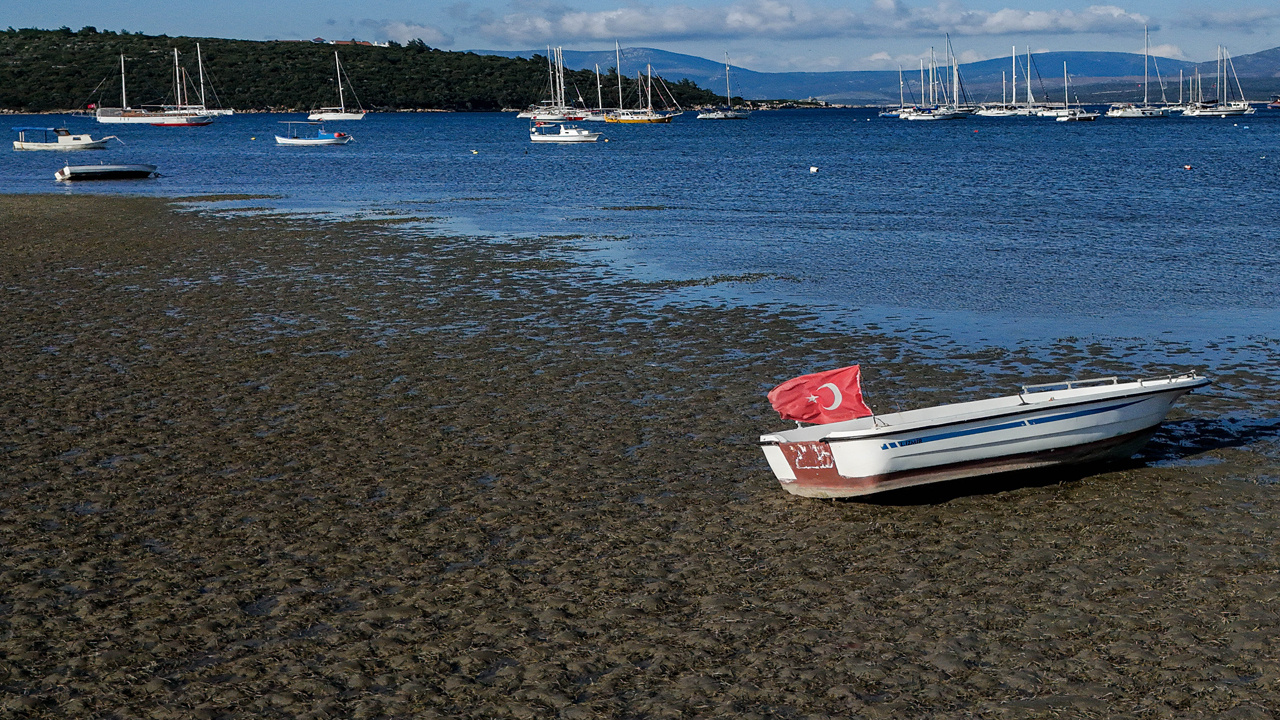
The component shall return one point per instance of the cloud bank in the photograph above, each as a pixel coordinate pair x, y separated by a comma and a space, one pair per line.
793, 20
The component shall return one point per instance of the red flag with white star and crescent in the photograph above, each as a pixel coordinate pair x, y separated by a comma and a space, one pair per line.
825, 397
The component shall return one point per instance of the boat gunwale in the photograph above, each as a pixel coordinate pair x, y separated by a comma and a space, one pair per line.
1190, 381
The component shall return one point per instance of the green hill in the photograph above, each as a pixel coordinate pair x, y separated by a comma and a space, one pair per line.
43, 70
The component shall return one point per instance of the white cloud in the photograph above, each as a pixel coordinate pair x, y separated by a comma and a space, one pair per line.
1244, 20
792, 19
1167, 50
403, 32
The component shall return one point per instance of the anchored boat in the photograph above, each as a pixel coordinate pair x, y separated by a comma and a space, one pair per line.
1066, 422
62, 140
320, 137
105, 172
544, 132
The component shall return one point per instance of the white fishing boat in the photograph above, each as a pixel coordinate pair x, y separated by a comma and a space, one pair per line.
545, 132
177, 115
296, 136
1058, 423
341, 112
1146, 110
62, 140
105, 172
728, 112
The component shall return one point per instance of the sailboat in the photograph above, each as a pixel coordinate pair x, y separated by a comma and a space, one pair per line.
183, 104
1005, 108
179, 115
951, 111
646, 114
557, 108
1146, 109
599, 113
1072, 114
340, 112
1223, 106
727, 112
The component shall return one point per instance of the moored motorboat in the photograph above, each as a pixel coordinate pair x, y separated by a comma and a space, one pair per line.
542, 132
1066, 422
62, 140
105, 172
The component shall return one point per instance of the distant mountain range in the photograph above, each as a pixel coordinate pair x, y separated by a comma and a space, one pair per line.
1095, 76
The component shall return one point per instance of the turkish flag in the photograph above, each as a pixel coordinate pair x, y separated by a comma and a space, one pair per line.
824, 397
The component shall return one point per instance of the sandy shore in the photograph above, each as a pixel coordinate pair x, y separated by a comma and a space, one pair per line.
261, 467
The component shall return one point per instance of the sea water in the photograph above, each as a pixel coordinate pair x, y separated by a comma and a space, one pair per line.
983, 230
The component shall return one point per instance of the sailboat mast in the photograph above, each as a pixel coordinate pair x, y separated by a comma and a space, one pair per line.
599, 96
902, 99
618, 59
955, 74
1146, 52
200, 66
124, 102
1013, 56
177, 80
728, 98
1066, 96
342, 101
648, 89
1030, 98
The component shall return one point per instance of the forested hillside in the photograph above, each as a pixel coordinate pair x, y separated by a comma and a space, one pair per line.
43, 70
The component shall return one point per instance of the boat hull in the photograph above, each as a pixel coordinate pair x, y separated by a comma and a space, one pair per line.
90, 145
156, 119
336, 116
313, 141
104, 172
1012, 437
590, 138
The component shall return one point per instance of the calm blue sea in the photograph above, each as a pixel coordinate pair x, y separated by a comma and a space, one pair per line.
981, 230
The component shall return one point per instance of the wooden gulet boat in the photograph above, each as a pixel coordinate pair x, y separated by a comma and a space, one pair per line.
1067, 422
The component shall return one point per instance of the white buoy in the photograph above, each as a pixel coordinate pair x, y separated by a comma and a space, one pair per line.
813, 169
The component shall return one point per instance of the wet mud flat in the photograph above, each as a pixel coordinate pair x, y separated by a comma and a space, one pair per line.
266, 467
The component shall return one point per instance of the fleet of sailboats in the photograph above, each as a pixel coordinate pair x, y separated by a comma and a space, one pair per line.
940, 99
1223, 105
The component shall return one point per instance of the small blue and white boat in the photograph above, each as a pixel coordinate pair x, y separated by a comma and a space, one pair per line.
319, 137
1059, 423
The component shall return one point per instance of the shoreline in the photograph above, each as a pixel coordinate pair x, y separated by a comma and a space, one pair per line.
284, 468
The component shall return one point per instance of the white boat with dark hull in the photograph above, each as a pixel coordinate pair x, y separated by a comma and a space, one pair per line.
62, 140
105, 172
1067, 422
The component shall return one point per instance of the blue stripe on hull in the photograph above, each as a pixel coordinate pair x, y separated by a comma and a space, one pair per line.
1005, 426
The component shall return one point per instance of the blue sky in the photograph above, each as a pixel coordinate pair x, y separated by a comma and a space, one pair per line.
764, 35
